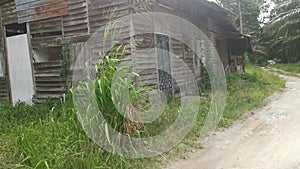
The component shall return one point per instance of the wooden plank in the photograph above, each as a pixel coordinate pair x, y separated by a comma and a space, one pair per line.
33, 10
3, 89
8, 13
75, 24
49, 82
52, 41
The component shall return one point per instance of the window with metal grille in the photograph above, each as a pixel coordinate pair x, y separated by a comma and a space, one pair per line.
164, 63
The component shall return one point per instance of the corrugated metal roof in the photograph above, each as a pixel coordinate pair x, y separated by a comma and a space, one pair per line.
32, 10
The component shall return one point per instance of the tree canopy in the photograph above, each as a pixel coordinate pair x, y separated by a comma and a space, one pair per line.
279, 37
250, 13
284, 30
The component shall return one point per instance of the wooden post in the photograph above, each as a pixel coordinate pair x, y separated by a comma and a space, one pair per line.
31, 53
5, 54
240, 16
5, 62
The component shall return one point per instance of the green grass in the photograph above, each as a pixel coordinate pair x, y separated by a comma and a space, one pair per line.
280, 72
45, 138
291, 67
41, 136
247, 91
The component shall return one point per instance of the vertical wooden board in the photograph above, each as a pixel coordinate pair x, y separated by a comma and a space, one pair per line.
223, 51
177, 51
2, 50
189, 57
4, 83
145, 59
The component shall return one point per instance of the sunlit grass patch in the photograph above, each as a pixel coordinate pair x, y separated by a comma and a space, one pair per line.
289, 67
247, 91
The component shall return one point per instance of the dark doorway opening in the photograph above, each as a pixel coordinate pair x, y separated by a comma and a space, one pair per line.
15, 29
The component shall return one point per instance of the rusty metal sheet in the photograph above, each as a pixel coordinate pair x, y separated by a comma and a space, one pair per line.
33, 10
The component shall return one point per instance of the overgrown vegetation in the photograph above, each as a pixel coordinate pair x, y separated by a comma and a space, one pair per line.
273, 25
47, 136
51, 136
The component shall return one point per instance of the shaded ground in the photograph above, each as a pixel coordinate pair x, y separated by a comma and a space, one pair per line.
266, 138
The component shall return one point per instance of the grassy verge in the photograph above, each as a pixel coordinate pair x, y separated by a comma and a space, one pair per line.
45, 137
291, 67
247, 91
280, 72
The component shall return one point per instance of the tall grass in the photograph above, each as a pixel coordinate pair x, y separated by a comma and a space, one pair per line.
53, 139
50, 136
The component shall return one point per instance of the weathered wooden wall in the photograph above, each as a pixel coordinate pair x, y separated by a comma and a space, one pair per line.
181, 51
31, 10
8, 12
75, 24
48, 80
4, 87
4, 82
199, 15
103, 11
80, 19
209, 20
84, 19
223, 51
68, 28
144, 59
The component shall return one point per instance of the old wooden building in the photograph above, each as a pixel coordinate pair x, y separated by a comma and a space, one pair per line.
34, 35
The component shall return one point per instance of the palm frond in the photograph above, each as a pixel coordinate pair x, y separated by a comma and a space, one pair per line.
295, 24
292, 40
284, 17
286, 5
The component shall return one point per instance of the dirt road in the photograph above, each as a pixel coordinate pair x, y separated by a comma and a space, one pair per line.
266, 138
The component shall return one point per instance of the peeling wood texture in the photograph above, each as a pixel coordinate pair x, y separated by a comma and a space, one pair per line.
49, 82
8, 12
3, 89
70, 28
32, 10
4, 82
75, 24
